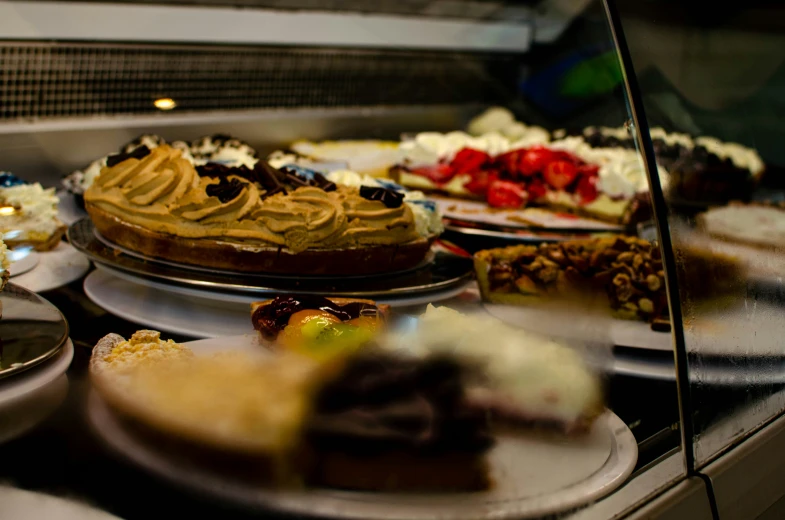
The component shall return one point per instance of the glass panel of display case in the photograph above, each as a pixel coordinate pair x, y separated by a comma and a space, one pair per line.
711, 88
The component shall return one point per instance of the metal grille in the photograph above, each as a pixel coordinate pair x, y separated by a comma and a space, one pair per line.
75, 80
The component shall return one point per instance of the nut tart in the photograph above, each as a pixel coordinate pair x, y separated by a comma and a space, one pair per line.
624, 271
28, 214
318, 327
289, 220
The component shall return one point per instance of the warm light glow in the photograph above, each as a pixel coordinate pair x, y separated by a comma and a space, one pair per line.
164, 103
7, 210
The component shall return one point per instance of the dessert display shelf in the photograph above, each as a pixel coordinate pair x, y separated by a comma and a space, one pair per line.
534, 475
445, 271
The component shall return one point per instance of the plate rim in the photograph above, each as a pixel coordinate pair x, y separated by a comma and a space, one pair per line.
617, 467
337, 504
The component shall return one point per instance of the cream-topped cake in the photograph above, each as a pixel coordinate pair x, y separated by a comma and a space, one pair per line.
28, 216
566, 174
528, 378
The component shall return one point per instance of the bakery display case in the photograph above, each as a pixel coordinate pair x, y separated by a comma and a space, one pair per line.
470, 259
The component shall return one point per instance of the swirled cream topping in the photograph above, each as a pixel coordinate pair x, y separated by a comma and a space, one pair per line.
163, 192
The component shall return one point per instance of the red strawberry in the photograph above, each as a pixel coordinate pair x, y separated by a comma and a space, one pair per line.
509, 162
438, 173
536, 189
588, 169
507, 194
469, 161
587, 188
480, 181
560, 174
534, 160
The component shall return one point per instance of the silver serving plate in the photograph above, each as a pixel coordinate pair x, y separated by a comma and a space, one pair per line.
443, 272
32, 330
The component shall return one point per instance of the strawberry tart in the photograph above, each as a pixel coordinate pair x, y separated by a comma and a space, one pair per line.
568, 175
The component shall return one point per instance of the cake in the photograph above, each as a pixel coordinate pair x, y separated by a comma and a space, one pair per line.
521, 380
28, 215
265, 219
366, 157
318, 327
567, 175
374, 421
626, 272
390, 423
758, 225
702, 169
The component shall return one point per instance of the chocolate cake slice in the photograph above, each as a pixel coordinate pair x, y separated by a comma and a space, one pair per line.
388, 423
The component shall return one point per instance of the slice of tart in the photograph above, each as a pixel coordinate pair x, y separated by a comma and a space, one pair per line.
625, 270
28, 216
370, 421
393, 423
318, 327
564, 175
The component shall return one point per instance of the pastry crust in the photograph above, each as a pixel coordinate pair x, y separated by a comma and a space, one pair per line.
236, 256
47, 245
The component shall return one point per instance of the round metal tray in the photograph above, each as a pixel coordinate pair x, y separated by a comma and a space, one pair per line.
443, 272
31, 330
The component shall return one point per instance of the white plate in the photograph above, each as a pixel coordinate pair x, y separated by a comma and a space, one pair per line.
526, 218
58, 267
574, 326
19, 504
22, 260
166, 311
535, 475
29, 397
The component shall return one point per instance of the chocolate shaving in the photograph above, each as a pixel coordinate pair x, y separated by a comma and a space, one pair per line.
117, 158
390, 198
226, 190
323, 183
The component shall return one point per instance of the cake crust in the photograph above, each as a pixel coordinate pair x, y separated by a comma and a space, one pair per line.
236, 256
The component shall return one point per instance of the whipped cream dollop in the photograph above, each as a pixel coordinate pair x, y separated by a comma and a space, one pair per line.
35, 217
499, 120
546, 378
427, 218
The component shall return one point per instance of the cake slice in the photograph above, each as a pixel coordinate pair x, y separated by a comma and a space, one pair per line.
520, 380
316, 326
391, 423
369, 420
28, 216
625, 270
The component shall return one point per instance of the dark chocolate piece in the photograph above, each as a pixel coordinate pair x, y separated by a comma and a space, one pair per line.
390, 198
323, 183
138, 153
226, 190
